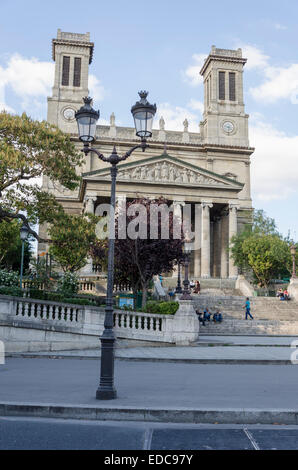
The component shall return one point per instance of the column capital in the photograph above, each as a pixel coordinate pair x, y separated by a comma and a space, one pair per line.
233, 207
206, 204
90, 197
178, 203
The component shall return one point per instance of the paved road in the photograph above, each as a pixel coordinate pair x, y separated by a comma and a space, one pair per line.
73, 381
52, 434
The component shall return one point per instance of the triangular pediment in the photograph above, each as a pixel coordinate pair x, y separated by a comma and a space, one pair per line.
167, 170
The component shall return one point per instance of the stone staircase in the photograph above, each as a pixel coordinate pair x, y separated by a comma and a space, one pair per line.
271, 316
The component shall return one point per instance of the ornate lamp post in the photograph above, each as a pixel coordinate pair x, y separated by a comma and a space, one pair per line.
24, 232
186, 291
143, 113
179, 288
293, 253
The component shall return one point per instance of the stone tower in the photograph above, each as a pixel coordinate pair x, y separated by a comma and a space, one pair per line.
224, 118
72, 53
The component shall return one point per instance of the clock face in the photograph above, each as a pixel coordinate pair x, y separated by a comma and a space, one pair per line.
69, 114
228, 127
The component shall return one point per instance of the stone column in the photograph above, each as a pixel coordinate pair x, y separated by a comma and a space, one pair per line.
90, 201
224, 246
233, 270
216, 247
205, 255
177, 212
198, 240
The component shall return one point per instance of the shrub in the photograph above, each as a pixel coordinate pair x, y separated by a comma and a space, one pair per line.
12, 290
68, 284
9, 278
162, 308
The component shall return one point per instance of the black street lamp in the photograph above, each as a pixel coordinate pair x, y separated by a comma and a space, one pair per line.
24, 232
293, 253
179, 288
186, 291
143, 113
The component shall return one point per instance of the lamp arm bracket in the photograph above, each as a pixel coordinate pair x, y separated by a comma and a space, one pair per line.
87, 150
143, 146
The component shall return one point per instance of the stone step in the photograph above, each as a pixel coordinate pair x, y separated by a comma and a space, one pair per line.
251, 328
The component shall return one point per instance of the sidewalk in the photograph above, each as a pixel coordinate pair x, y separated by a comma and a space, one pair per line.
160, 392
210, 349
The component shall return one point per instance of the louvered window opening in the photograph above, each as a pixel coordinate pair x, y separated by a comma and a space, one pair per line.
77, 72
65, 71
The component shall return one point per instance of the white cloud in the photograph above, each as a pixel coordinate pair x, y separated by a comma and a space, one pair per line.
196, 105
255, 57
280, 83
280, 27
96, 90
174, 117
31, 81
275, 162
192, 73
27, 77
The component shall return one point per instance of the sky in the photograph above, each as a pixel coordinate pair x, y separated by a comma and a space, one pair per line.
160, 46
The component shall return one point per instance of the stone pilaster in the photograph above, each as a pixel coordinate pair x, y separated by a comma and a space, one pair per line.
233, 270
205, 254
224, 246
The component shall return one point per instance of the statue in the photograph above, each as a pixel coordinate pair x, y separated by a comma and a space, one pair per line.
112, 120
164, 172
161, 124
185, 124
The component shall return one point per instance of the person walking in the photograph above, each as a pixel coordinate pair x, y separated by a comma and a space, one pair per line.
247, 309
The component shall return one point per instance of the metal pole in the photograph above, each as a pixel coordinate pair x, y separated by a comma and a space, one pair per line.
186, 292
106, 389
22, 266
178, 288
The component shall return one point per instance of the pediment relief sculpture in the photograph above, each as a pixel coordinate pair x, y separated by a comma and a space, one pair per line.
166, 172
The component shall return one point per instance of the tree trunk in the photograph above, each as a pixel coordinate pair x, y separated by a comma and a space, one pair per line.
144, 295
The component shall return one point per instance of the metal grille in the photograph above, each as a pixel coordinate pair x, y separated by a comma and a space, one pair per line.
222, 87
77, 72
65, 71
232, 86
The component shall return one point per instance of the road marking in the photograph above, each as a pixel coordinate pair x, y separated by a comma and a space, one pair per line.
251, 438
148, 439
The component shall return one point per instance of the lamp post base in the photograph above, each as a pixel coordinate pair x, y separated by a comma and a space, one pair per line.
106, 394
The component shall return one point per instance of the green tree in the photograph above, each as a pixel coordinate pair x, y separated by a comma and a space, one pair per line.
261, 226
11, 246
267, 255
71, 240
28, 150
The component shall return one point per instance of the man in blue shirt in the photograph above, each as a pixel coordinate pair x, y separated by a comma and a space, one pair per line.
247, 309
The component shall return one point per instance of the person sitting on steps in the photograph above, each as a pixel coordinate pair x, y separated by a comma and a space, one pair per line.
207, 314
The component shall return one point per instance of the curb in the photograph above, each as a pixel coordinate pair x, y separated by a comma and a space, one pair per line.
161, 415
273, 362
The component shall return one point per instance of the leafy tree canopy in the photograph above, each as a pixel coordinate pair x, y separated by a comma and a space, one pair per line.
28, 150
71, 240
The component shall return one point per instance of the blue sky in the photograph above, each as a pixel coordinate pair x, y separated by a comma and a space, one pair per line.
159, 46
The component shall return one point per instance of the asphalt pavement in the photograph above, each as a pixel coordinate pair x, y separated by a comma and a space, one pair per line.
52, 434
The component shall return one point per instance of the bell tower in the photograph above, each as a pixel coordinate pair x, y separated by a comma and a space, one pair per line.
72, 53
224, 120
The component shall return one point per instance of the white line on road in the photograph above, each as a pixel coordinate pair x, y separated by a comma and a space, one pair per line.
148, 439
251, 438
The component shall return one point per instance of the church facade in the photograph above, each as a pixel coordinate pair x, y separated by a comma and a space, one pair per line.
208, 169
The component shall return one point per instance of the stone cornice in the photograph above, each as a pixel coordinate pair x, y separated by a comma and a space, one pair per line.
221, 58
68, 42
